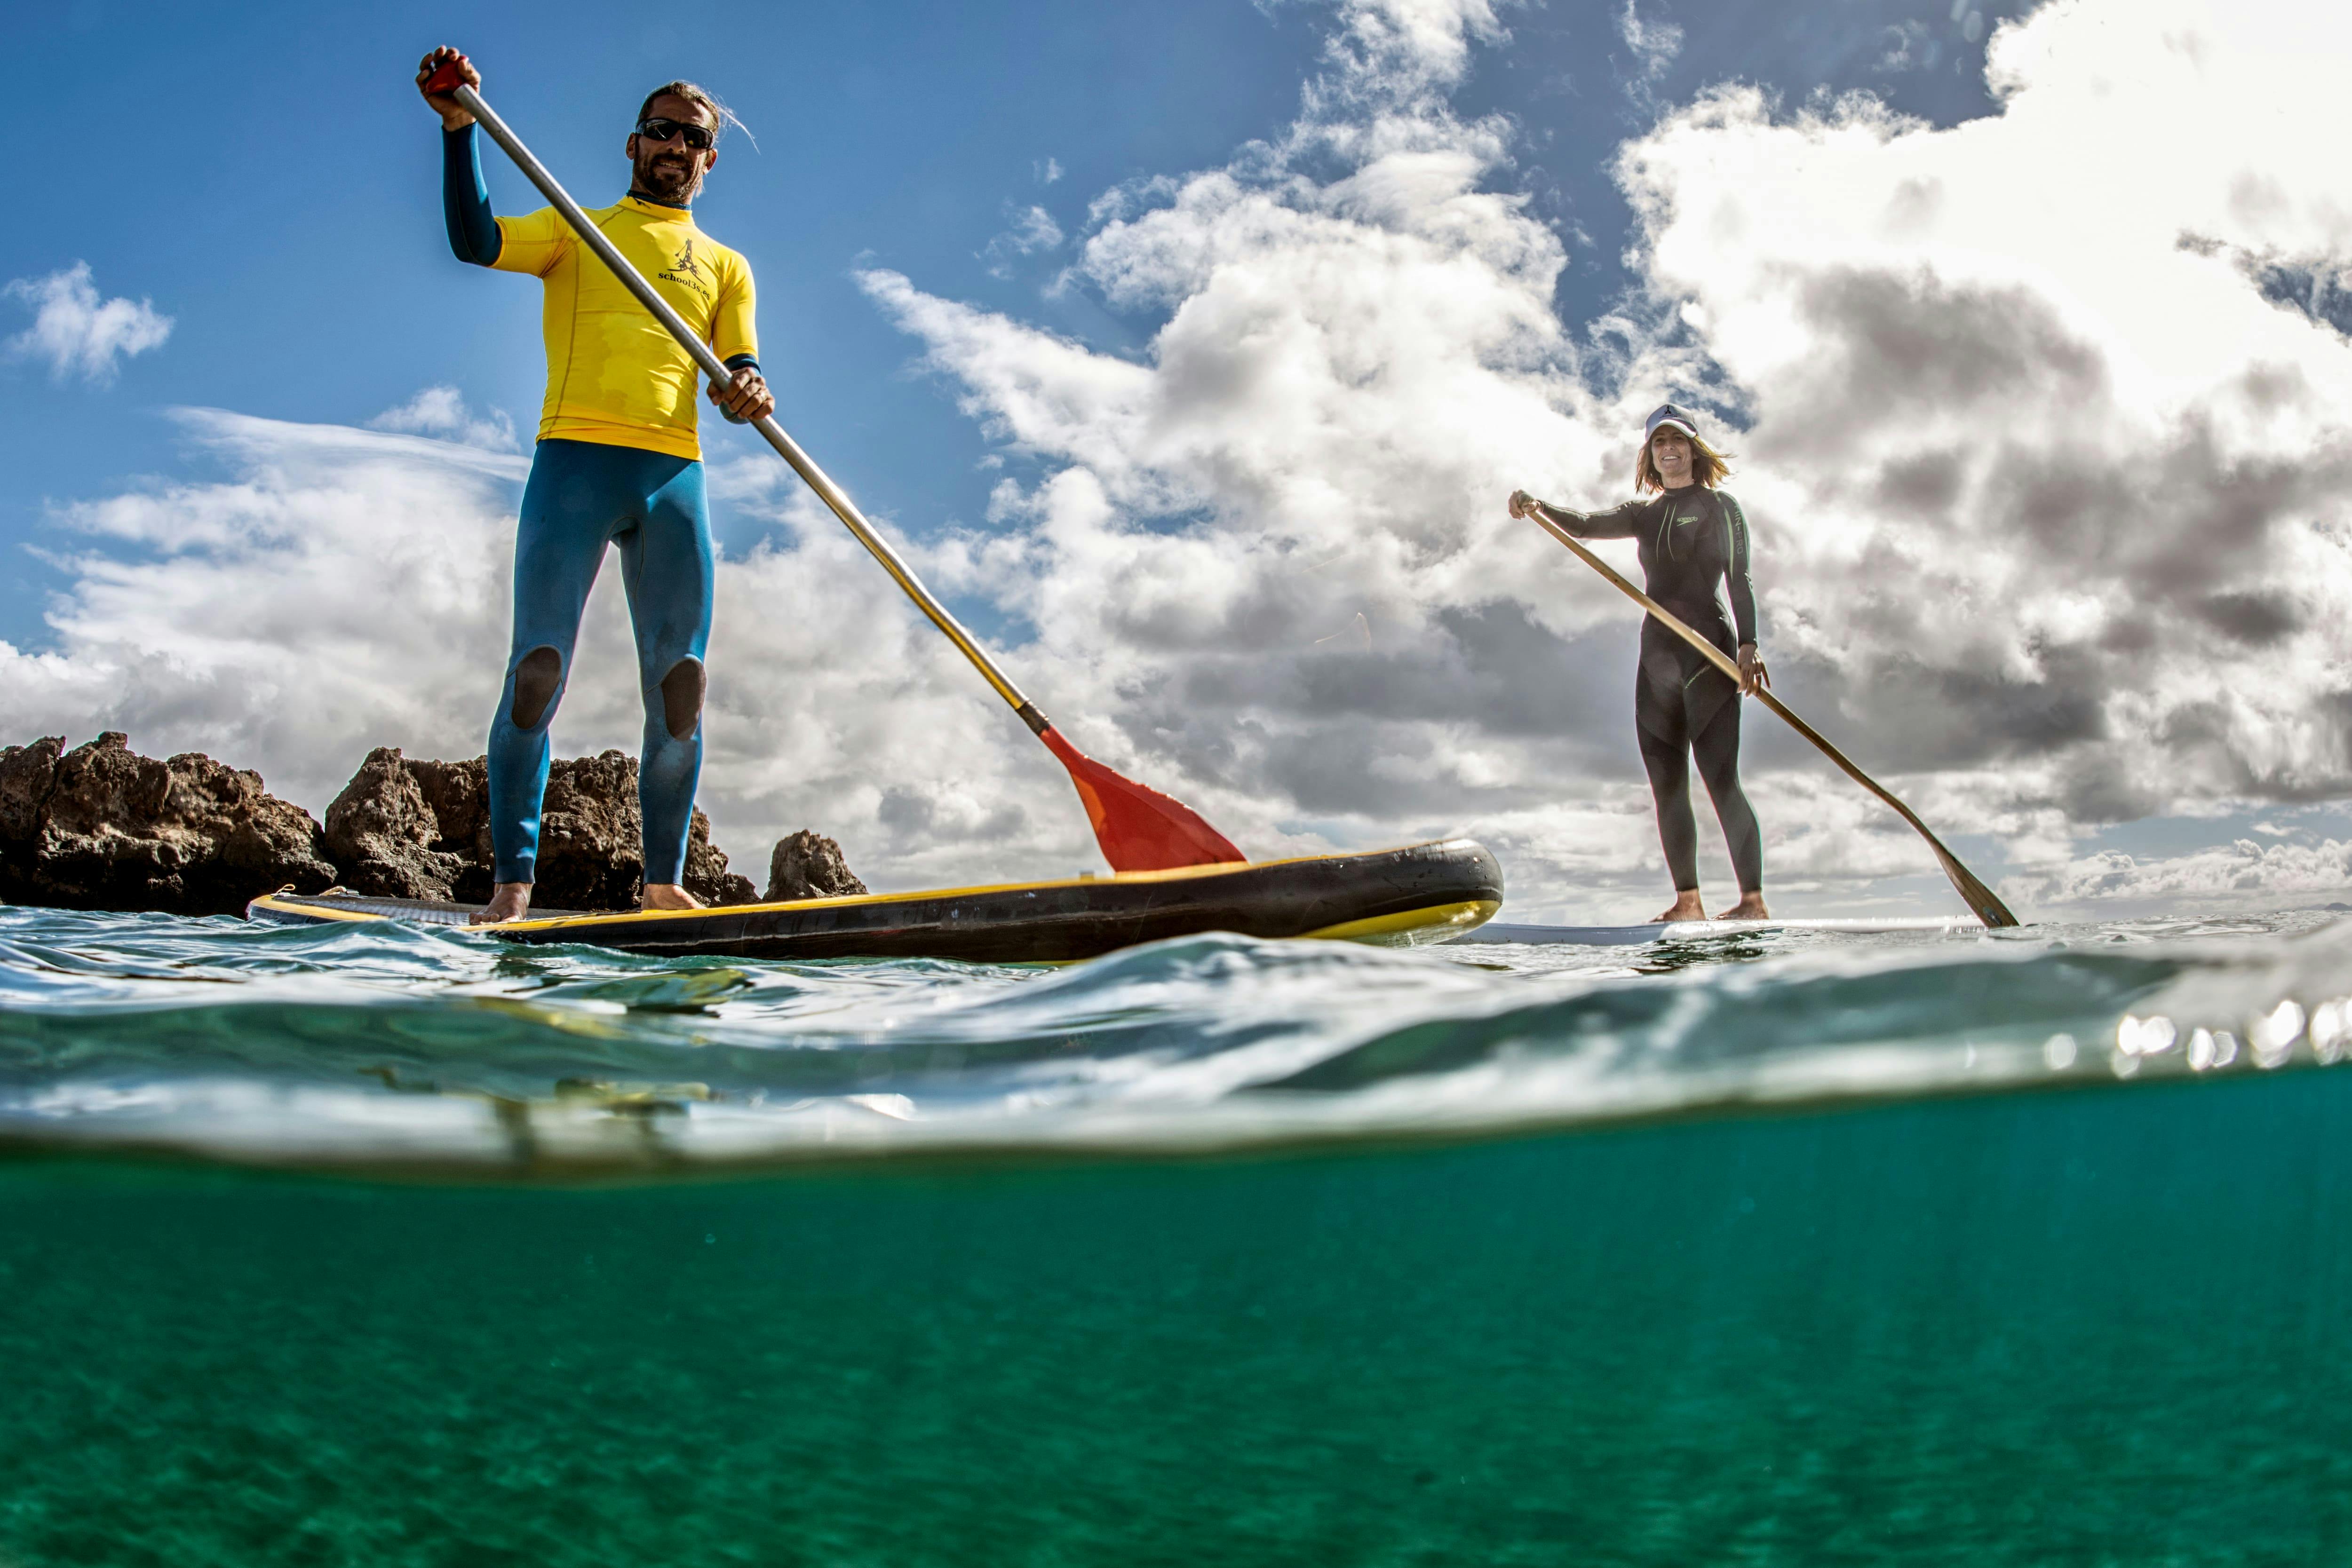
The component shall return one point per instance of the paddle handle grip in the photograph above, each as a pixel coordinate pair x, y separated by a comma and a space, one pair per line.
817, 480
1981, 900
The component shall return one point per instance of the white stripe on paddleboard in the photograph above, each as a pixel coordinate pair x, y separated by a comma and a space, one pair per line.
1695, 930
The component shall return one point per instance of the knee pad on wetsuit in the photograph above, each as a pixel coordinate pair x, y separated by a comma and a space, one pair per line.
682, 691
536, 681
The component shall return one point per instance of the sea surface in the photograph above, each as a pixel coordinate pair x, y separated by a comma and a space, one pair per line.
372, 1245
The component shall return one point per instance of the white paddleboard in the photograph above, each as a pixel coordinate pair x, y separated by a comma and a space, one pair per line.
1700, 930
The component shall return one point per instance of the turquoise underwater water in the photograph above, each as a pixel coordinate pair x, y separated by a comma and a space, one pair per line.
369, 1247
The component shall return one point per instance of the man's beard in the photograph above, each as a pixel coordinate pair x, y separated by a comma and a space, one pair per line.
669, 177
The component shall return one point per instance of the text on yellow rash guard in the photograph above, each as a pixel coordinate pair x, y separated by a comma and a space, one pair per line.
615, 375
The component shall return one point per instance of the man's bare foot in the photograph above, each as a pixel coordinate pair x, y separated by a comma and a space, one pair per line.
508, 900
667, 895
1749, 908
1686, 907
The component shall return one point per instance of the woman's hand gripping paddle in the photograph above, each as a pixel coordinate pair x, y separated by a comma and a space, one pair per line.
1139, 827
1980, 899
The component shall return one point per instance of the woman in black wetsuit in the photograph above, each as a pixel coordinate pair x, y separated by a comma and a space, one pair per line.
1691, 537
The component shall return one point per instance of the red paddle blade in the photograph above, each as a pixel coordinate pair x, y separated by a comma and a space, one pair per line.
1139, 827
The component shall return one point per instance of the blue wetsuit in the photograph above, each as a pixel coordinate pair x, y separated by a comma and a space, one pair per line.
581, 497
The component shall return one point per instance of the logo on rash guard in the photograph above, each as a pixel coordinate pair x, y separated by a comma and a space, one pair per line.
686, 270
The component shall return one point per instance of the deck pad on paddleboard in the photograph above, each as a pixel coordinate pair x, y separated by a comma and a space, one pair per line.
336, 905
1700, 930
1424, 892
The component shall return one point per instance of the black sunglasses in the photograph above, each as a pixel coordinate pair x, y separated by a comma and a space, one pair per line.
663, 129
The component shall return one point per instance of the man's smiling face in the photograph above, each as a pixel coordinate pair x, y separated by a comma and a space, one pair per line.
671, 171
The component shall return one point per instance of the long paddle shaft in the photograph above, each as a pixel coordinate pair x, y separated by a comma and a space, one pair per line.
1139, 827
1980, 899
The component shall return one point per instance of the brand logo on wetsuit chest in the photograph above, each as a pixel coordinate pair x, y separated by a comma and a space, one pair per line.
1668, 538
686, 270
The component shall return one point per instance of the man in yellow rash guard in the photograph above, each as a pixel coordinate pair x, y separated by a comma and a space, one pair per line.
618, 463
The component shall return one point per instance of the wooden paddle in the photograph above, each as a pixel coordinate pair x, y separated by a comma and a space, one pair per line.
1139, 827
1979, 898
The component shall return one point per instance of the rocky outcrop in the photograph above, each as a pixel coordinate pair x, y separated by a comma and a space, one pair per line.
102, 827
404, 829
808, 865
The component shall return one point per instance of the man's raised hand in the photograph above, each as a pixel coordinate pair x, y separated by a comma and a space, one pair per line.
745, 398
453, 118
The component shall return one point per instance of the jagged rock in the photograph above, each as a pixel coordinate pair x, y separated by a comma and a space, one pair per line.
808, 865
27, 774
591, 852
706, 876
102, 827
404, 829
393, 840
592, 847
459, 796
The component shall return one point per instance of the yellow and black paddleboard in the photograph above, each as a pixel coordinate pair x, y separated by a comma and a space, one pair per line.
1424, 892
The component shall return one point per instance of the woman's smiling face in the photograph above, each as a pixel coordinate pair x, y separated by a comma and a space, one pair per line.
1670, 453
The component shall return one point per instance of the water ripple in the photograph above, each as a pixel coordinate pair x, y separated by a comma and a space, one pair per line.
425, 1049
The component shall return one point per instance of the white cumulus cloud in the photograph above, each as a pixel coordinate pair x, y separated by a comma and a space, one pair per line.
2051, 486
1033, 229
2241, 873
76, 331
1654, 43
440, 412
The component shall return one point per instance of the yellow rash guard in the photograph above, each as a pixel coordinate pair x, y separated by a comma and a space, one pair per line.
614, 375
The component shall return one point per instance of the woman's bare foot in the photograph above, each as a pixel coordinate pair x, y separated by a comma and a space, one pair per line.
1686, 907
1749, 908
508, 900
667, 895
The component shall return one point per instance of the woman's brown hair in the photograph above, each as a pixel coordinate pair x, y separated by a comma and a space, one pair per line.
1708, 466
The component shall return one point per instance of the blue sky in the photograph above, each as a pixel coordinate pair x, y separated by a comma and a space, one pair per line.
1029, 413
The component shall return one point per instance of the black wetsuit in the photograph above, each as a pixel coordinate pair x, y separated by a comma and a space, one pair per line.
1690, 540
